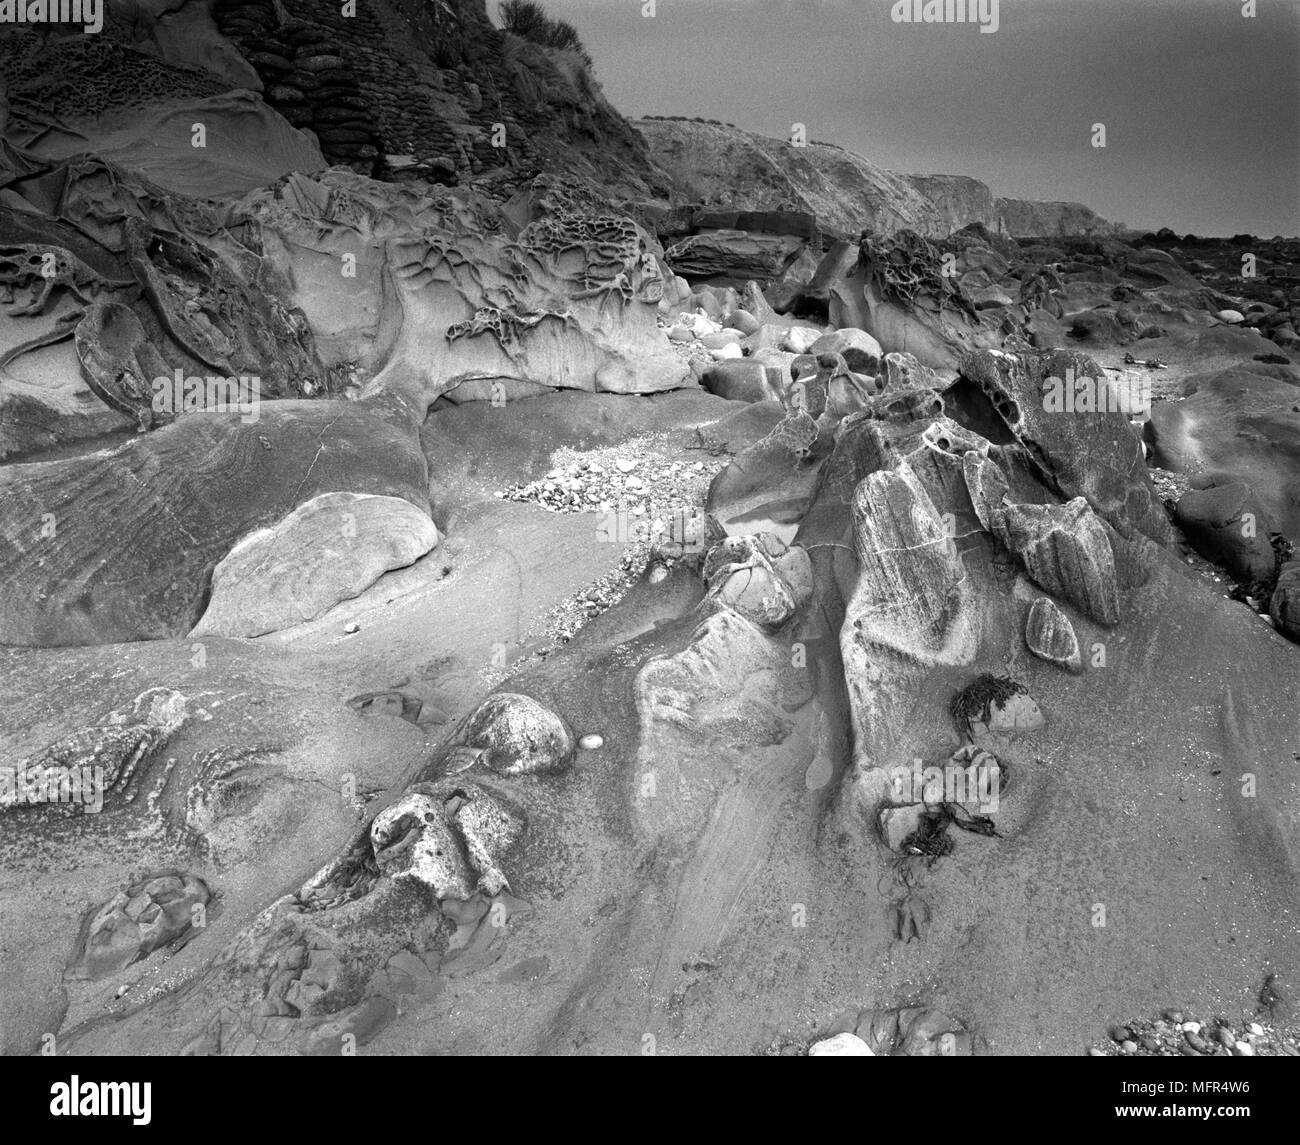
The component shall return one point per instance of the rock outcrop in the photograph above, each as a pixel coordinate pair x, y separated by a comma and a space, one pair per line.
732, 169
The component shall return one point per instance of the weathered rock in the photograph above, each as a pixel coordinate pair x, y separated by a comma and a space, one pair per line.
179, 498
733, 256
329, 549
1092, 454
1238, 424
450, 836
860, 351
1066, 550
1284, 607
134, 923
759, 577
1227, 524
517, 736
553, 289
840, 1046
1051, 637
744, 381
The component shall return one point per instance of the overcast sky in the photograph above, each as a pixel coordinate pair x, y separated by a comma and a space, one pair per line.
1201, 105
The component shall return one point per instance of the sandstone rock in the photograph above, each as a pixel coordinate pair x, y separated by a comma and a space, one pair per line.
732, 255
180, 498
800, 339
860, 351
991, 297
517, 736
1092, 454
720, 339
329, 549
1050, 635
744, 381
1284, 607
1239, 425
743, 321
840, 1046
1227, 525
583, 283
759, 577
898, 824
451, 836
1065, 549
145, 917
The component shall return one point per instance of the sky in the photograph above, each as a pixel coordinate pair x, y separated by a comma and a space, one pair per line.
1201, 104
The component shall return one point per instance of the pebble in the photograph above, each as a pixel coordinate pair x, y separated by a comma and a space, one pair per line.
841, 1046
1129, 1046
1245, 1050
625, 465
591, 742
350, 627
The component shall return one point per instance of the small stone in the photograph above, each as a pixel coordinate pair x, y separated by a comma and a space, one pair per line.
1129, 1047
591, 742
1191, 1027
1175, 1016
1256, 1029
841, 1046
625, 465
350, 627
1120, 1033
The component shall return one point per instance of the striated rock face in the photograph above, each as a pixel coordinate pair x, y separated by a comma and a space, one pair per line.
179, 499
1065, 548
408, 86
1050, 635
733, 256
1091, 452
328, 549
909, 595
715, 163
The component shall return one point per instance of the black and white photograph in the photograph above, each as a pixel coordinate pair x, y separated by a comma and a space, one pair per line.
651, 528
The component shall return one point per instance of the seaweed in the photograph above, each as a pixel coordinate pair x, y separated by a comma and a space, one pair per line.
974, 700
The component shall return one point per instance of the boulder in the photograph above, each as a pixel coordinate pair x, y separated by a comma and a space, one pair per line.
860, 351
1227, 525
1238, 424
516, 735
1284, 607
327, 550
1050, 635
744, 380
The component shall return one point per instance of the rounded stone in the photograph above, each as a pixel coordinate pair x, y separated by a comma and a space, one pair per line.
518, 736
